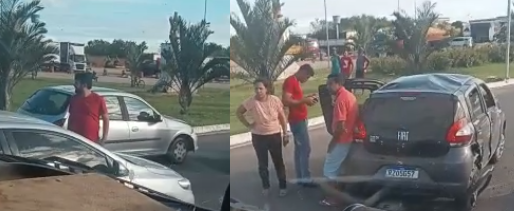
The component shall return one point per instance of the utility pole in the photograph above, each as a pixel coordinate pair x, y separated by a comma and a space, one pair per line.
326, 31
205, 10
507, 57
398, 5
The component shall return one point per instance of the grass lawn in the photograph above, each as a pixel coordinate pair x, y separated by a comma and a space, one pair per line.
208, 107
237, 95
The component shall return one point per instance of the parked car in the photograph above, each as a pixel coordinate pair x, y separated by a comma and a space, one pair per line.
29, 137
135, 127
432, 134
461, 42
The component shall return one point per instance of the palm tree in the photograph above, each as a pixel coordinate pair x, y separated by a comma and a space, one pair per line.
23, 46
190, 61
366, 28
135, 59
412, 32
259, 46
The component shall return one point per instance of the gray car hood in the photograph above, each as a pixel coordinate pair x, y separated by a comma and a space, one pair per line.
151, 166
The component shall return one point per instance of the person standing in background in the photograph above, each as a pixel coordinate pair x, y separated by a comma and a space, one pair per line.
86, 109
293, 99
361, 64
335, 62
269, 131
346, 65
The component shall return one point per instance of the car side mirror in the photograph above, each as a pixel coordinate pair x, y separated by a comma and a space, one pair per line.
157, 118
144, 116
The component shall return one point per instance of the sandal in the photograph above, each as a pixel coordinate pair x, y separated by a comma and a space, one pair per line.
326, 203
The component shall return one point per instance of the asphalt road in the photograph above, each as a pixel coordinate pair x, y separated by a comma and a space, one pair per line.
208, 169
245, 183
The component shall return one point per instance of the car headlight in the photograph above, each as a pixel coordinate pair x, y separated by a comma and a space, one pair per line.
184, 183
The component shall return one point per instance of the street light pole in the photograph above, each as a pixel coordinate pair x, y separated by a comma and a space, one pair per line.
507, 57
326, 30
398, 5
205, 10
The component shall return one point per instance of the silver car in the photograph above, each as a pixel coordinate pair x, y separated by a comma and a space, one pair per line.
135, 127
25, 136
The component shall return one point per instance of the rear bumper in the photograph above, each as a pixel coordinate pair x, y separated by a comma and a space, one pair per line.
447, 175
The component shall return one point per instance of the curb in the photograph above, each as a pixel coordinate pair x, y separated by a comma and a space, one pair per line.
243, 139
200, 130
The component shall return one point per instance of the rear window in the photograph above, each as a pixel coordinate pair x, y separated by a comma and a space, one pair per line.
425, 117
47, 102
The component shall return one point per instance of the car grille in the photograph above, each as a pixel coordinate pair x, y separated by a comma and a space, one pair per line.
80, 66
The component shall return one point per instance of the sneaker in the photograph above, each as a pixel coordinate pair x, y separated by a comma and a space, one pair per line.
282, 192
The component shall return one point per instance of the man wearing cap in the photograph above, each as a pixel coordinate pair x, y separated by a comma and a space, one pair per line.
86, 109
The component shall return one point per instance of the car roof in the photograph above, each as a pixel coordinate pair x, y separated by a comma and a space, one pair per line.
70, 89
20, 121
441, 83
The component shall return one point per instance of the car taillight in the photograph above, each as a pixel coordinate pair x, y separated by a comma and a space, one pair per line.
60, 122
460, 132
359, 134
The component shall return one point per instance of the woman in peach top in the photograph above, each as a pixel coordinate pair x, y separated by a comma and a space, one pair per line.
268, 131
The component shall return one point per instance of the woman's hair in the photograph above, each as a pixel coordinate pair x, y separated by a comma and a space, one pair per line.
266, 83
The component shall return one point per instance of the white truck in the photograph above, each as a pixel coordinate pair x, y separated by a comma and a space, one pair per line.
71, 57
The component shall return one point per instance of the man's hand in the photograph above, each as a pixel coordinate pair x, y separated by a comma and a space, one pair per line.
310, 101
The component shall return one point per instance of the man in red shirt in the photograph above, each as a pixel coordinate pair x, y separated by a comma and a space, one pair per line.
293, 99
346, 65
346, 109
86, 109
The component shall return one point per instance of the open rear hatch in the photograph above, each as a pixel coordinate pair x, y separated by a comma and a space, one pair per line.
354, 85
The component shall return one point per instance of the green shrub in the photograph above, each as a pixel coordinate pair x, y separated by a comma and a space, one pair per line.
439, 62
388, 65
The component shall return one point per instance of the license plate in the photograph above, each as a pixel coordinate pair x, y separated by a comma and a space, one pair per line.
401, 172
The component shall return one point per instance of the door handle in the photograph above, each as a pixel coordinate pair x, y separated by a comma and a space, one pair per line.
135, 129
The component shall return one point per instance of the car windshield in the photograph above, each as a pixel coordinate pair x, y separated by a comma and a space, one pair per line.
46, 102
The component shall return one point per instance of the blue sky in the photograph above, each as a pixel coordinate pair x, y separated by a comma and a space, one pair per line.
305, 11
137, 20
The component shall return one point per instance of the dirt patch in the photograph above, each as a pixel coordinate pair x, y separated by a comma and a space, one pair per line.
77, 192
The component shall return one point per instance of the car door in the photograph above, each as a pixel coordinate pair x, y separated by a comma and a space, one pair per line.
118, 125
354, 85
146, 137
494, 113
41, 144
481, 122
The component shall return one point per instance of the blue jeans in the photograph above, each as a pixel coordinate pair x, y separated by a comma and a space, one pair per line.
302, 150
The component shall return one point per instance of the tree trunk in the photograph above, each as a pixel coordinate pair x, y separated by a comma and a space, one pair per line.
5, 94
185, 97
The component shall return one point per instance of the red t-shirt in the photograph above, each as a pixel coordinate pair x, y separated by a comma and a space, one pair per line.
346, 64
85, 115
346, 109
296, 113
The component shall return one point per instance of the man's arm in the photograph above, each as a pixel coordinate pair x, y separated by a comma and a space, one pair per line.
105, 121
287, 96
366, 62
340, 114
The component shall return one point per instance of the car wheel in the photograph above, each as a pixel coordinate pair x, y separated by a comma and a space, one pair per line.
177, 151
499, 151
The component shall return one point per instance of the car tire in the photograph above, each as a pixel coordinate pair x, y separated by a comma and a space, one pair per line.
177, 151
499, 151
